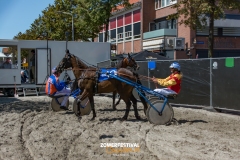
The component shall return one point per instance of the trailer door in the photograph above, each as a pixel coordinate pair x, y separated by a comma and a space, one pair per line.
43, 59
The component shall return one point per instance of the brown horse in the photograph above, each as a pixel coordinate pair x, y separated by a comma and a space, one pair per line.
87, 82
124, 63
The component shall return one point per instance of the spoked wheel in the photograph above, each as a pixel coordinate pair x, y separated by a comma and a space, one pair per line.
84, 111
155, 118
56, 103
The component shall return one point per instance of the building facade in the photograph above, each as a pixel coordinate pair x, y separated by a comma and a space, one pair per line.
145, 27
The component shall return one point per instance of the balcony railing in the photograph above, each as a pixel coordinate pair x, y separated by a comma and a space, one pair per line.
160, 33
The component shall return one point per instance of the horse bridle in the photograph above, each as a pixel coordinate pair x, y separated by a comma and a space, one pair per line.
129, 61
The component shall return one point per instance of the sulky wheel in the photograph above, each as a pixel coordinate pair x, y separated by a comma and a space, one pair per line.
155, 118
84, 111
56, 103
152, 99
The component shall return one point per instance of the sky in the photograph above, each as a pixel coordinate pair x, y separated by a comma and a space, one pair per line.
18, 15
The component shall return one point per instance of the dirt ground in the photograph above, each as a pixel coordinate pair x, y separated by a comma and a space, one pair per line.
29, 130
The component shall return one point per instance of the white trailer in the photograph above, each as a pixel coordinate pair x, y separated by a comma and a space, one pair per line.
47, 55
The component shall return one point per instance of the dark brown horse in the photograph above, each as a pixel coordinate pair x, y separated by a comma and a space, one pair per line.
88, 82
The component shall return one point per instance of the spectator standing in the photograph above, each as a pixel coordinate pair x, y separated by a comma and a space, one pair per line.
32, 60
7, 64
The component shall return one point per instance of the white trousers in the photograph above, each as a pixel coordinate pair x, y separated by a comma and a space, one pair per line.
64, 91
165, 91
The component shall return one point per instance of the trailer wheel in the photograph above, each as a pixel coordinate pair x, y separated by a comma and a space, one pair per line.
5, 93
84, 111
56, 103
11, 92
155, 118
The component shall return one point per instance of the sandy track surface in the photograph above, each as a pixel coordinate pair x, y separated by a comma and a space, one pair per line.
30, 131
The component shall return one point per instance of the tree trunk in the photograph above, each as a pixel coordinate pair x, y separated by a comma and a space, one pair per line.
106, 32
211, 30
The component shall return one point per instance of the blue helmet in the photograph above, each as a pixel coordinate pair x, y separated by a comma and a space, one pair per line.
54, 70
175, 65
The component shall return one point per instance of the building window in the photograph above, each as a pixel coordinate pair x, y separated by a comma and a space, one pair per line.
163, 24
113, 35
152, 26
164, 3
120, 34
174, 24
120, 37
137, 30
113, 23
169, 24
136, 16
128, 35
220, 31
100, 38
157, 4
128, 32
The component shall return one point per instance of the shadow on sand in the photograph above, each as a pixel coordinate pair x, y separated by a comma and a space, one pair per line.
182, 121
128, 120
16, 105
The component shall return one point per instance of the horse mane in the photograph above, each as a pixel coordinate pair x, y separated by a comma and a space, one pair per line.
119, 64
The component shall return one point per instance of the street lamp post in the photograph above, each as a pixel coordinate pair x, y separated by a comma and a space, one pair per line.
45, 34
66, 34
72, 22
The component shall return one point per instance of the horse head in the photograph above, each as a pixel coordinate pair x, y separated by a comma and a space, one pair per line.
65, 63
131, 62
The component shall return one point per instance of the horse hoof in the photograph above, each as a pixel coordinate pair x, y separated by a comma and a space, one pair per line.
123, 119
79, 118
138, 118
114, 109
92, 119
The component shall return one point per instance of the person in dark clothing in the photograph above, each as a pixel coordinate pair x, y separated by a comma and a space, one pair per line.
7, 64
32, 60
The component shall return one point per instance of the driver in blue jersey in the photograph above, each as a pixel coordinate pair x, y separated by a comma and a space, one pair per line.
54, 87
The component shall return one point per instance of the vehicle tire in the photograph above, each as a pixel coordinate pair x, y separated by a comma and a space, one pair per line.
155, 118
151, 100
84, 111
56, 106
11, 92
5, 91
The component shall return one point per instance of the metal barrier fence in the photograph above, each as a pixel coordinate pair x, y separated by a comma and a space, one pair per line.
210, 82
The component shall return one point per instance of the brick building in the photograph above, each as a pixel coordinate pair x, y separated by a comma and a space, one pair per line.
145, 27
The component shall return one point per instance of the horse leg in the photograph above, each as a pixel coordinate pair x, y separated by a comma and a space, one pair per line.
118, 101
113, 97
91, 100
81, 97
144, 103
134, 101
128, 105
78, 108
143, 93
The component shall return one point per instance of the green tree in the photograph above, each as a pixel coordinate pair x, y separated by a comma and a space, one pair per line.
89, 21
196, 13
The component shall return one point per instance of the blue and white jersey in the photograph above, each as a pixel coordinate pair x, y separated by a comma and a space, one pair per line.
104, 73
